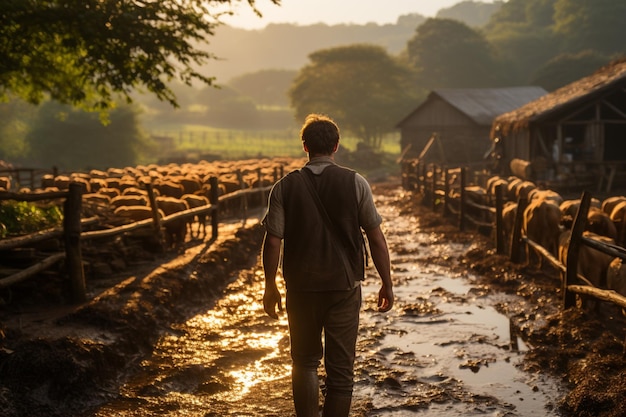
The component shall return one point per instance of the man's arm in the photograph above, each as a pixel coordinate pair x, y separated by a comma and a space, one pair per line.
380, 256
271, 257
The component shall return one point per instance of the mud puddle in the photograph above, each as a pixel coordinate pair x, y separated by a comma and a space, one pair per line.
443, 350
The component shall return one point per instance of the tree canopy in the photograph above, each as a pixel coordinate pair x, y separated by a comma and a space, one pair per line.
584, 25
75, 140
361, 86
448, 53
85, 52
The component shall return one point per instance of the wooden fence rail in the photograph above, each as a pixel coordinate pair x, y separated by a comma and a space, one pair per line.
72, 234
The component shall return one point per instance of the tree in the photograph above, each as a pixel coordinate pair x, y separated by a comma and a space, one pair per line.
75, 140
361, 86
16, 117
597, 24
85, 52
225, 108
265, 87
566, 68
472, 13
449, 54
521, 32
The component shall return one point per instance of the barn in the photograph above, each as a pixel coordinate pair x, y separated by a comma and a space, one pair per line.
574, 137
452, 126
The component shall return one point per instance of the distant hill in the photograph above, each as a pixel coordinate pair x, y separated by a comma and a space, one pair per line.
287, 46
472, 13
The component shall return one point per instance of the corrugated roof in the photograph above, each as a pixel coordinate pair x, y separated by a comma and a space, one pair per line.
483, 105
596, 84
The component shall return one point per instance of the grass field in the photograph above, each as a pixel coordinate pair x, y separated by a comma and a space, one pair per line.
243, 144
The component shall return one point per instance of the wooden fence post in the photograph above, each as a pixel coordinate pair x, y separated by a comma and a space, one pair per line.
73, 254
244, 198
516, 240
462, 203
500, 245
214, 200
573, 249
156, 218
260, 185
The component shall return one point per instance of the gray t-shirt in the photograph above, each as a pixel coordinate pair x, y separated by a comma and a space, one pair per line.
369, 218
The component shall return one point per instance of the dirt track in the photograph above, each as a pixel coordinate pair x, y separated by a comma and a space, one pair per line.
63, 361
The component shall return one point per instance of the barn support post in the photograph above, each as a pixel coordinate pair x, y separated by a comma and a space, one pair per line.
156, 218
73, 254
424, 183
433, 187
573, 249
500, 245
404, 174
462, 203
214, 200
516, 240
446, 192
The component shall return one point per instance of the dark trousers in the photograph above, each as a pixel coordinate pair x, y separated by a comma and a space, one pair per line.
336, 315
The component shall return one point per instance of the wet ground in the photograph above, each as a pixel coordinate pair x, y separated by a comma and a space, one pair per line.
470, 334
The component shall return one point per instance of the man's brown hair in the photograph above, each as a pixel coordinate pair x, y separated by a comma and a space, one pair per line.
320, 134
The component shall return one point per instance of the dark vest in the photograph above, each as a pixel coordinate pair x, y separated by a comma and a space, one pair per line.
311, 259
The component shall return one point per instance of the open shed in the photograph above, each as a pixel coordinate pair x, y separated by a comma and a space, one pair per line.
460, 121
574, 136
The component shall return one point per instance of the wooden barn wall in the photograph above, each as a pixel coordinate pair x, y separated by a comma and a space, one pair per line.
461, 138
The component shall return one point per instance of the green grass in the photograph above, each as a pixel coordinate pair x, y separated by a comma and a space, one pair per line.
242, 144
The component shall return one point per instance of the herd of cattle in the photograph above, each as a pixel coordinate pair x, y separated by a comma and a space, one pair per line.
120, 195
547, 221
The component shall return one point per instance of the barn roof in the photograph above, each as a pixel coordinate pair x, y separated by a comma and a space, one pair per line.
483, 105
595, 85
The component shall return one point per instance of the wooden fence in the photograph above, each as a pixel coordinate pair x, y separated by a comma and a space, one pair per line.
72, 234
448, 188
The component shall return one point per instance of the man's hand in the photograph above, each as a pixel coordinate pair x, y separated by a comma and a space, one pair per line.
271, 256
271, 300
385, 298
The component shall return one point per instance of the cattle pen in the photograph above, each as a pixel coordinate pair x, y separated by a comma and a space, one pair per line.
59, 250
483, 204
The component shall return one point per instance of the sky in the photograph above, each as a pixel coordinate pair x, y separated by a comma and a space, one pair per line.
331, 12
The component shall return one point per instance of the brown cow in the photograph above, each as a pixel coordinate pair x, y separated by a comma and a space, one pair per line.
538, 194
129, 200
592, 263
618, 217
176, 230
600, 223
509, 211
135, 213
609, 203
541, 224
5, 183
194, 201
169, 188
616, 278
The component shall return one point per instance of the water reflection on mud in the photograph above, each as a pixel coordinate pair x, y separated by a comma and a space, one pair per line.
442, 351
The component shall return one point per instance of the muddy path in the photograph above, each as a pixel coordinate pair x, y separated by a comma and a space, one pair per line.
470, 334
